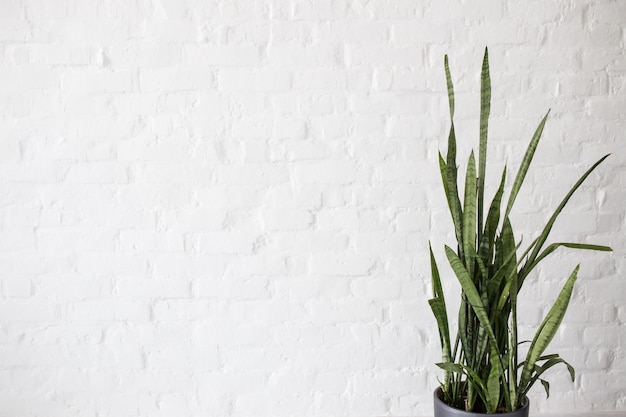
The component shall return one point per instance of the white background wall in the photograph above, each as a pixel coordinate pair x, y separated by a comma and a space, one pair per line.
222, 208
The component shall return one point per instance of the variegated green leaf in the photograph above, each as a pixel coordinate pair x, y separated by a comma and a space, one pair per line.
513, 352
547, 330
541, 369
548, 227
472, 377
470, 291
493, 381
469, 215
487, 240
451, 188
485, 109
438, 307
450, 86
523, 169
554, 246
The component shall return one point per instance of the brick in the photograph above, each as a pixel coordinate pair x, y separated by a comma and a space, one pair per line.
254, 80
229, 288
288, 220
181, 309
29, 310
253, 173
298, 57
354, 265
14, 79
338, 219
175, 79
223, 242
15, 29
325, 172
97, 173
103, 310
73, 80
383, 56
213, 55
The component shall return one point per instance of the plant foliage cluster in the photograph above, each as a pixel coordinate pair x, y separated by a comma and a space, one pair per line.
482, 370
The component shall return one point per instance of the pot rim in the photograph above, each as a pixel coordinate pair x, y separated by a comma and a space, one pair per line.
469, 413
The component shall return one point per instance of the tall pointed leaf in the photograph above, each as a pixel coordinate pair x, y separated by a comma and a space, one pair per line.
443, 170
438, 306
452, 191
485, 109
540, 369
508, 246
513, 351
450, 86
487, 239
504, 268
474, 300
472, 377
554, 246
482, 341
493, 381
470, 291
466, 330
523, 169
548, 227
469, 215
547, 330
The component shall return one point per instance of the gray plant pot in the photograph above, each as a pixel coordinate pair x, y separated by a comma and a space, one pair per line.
444, 410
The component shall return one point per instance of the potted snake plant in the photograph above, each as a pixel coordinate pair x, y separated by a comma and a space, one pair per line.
484, 370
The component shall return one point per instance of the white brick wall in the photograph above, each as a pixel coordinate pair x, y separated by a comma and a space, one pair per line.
222, 208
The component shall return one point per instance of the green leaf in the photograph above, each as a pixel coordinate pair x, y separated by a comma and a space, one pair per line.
437, 288
451, 187
493, 381
508, 242
485, 109
546, 331
513, 345
450, 177
487, 240
450, 86
544, 357
469, 215
551, 248
472, 295
466, 330
451, 367
439, 311
443, 169
540, 370
493, 285
438, 306
510, 267
523, 169
482, 341
471, 375
555, 361
548, 227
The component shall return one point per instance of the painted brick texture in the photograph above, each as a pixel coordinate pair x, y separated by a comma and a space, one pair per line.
222, 208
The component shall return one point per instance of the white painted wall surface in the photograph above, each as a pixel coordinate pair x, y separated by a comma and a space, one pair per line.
222, 208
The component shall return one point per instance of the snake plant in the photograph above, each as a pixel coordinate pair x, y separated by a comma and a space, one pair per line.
483, 370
